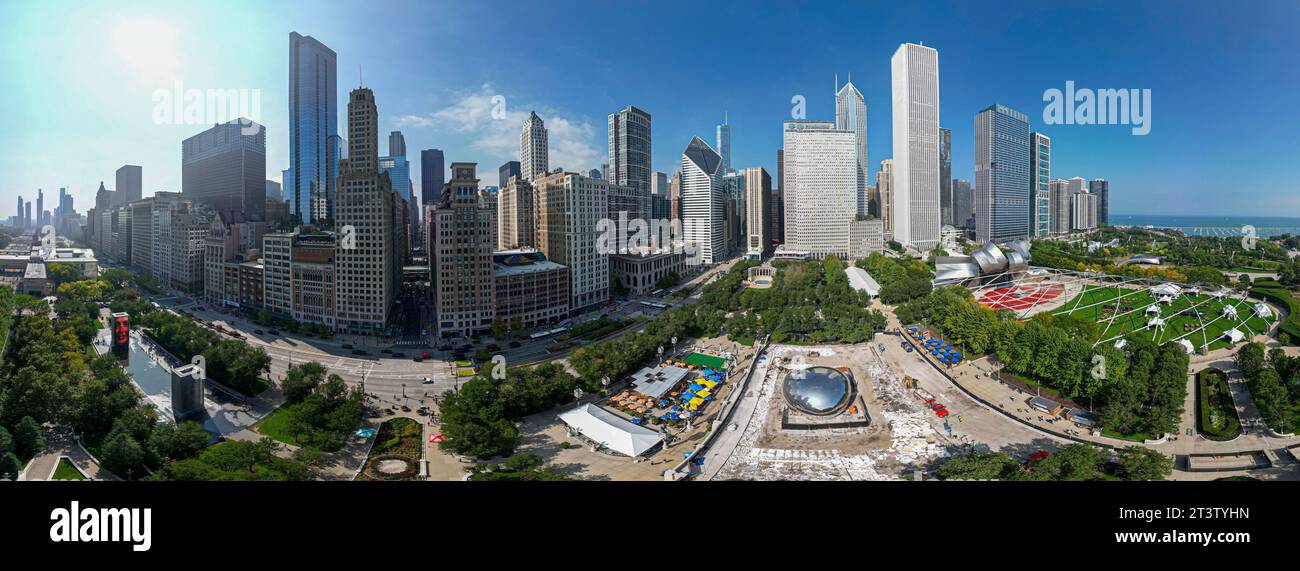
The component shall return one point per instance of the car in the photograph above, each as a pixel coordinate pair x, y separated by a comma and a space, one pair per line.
515, 344
425, 355
399, 355
417, 359
1040, 455
359, 352
943, 413
494, 347
386, 351
347, 345
273, 331
258, 331
427, 381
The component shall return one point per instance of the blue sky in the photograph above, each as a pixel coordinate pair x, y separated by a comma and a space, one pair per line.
1223, 77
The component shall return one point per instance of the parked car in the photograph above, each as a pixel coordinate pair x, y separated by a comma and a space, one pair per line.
427, 381
273, 331
347, 345
359, 352
258, 331
399, 355
386, 351
515, 344
1040, 455
425, 355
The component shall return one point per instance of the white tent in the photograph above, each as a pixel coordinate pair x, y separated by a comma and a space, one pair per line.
610, 430
1234, 335
1230, 311
1263, 311
1167, 289
1167, 300
1156, 322
1192, 291
1121, 343
1187, 346
1153, 309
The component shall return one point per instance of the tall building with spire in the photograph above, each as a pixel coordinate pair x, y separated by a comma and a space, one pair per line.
915, 88
314, 142
724, 145
534, 153
851, 115
368, 215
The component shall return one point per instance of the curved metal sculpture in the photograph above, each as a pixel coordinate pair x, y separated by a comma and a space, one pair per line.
990, 258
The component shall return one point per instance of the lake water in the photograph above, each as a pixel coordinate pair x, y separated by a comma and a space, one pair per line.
1224, 226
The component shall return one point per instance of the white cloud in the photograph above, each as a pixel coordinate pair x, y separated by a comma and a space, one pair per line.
491, 125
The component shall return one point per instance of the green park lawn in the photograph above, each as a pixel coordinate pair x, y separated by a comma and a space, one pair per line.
276, 426
1181, 317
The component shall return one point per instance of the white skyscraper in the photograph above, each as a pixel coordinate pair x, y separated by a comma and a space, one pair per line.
916, 146
534, 155
851, 115
821, 187
702, 208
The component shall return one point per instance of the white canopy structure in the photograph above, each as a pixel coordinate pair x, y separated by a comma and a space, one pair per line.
1156, 322
1121, 343
1192, 291
1187, 346
1219, 295
611, 431
1263, 311
1230, 311
1153, 309
860, 280
1234, 335
1167, 289
1167, 300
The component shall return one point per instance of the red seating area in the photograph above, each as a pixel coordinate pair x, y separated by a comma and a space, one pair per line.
1017, 298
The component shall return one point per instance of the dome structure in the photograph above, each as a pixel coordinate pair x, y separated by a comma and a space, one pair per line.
819, 391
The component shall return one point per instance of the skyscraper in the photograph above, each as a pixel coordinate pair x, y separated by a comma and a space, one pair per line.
313, 129
885, 188
963, 203
460, 243
821, 187
569, 208
368, 214
507, 170
915, 76
630, 152
516, 215
702, 209
723, 141
433, 174
396, 144
534, 155
129, 184
1059, 194
758, 212
40, 206
945, 176
851, 115
1040, 178
1101, 188
1001, 169
225, 168
660, 197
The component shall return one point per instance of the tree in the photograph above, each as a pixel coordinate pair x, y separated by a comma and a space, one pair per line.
979, 466
498, 327
1250, 359
122, 454
6, 442
60, 273
301, 380
1073, 462
10, 467
28, 438
517, 324
1142, 463
179, 441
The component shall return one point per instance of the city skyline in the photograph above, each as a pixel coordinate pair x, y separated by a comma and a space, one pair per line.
155, 49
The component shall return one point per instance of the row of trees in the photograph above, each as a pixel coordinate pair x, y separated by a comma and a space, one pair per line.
1274, 382
479, 419
235, 364
1141, 388
900, 279
1074, 462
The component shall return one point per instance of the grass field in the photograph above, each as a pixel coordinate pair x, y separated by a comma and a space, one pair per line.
276, 426
66, 471
1123, 312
